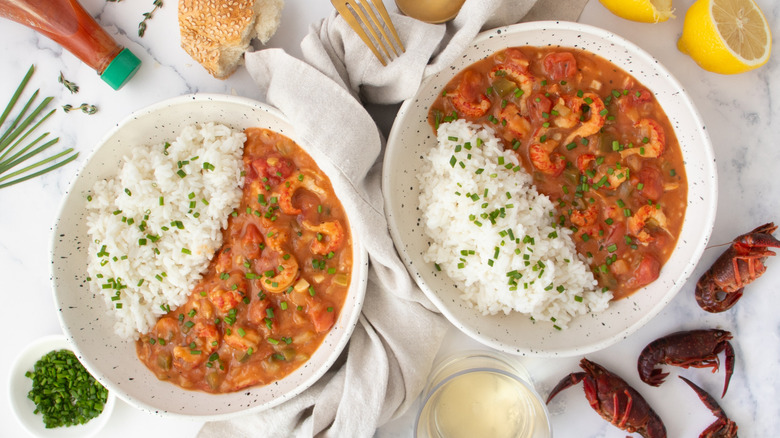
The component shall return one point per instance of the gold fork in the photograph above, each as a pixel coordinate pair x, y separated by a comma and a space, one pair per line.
354, 13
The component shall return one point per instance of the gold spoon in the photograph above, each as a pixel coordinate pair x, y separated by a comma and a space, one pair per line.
430, 11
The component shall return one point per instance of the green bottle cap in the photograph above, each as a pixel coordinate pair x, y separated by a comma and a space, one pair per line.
121, 69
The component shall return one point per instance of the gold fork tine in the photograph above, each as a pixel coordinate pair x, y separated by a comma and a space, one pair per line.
358, 9
354, 13
381, 26
346, 14
380, 6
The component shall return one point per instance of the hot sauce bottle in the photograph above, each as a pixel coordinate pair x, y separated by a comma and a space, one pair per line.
67, 23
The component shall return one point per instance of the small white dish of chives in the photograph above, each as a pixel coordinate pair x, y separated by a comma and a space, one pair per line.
15, 146
76, 422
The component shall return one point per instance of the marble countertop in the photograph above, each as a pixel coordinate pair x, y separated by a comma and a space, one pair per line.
739, 112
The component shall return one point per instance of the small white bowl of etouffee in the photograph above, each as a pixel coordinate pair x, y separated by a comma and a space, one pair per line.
48, 369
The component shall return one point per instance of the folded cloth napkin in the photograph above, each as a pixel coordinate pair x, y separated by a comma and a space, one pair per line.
398, 334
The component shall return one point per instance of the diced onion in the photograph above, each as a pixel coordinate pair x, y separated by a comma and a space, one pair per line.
341, 279
301, 285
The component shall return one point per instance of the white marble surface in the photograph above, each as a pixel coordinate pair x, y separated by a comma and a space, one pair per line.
738, 110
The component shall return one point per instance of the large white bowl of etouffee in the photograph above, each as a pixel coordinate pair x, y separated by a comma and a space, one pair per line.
274, 308
601, 129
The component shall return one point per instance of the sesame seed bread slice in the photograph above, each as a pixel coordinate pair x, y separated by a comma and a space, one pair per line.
216, 33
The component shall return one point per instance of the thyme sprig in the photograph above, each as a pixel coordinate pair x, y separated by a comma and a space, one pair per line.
71, 86
147, 16
84, 107
14, 152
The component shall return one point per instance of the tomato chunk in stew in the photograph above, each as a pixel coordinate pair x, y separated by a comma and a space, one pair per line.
596, 142
275, 287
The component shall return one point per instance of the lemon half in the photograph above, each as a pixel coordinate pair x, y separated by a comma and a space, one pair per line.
726, 36
646, 11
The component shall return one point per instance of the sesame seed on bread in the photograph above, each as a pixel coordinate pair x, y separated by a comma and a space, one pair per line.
216, 33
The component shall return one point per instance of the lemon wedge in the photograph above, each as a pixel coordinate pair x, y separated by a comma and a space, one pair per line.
646, 11
726, 36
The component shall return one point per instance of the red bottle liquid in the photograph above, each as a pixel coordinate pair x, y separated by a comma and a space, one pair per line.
67, 23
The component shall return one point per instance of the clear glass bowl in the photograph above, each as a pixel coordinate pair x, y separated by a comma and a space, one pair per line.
481, 394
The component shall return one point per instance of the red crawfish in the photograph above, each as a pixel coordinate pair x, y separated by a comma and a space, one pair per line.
695, 348
722, 285
614, 400
722, 427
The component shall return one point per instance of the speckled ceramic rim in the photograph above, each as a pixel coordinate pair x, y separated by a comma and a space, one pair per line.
84, 317
411, 137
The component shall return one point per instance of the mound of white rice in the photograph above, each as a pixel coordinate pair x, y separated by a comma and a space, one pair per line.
493, 234
156, 225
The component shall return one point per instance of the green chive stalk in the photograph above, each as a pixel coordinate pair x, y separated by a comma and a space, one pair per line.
14, 147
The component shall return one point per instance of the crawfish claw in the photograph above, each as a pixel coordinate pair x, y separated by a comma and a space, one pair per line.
761, 237
729, 350
570, 380
723, 427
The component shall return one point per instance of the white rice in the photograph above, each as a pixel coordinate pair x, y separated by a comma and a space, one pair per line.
141, 260
520, 261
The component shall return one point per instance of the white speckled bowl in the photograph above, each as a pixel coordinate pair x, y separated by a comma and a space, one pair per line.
411, 136
84, 317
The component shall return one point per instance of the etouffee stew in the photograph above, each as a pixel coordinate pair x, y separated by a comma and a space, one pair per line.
275, 287
596, 142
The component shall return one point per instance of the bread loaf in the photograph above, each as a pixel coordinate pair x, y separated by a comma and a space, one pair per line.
216, 33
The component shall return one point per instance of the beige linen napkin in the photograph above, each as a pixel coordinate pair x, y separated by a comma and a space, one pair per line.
399, 332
